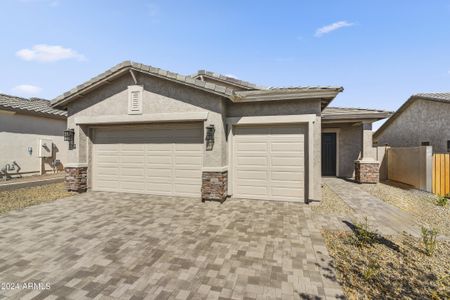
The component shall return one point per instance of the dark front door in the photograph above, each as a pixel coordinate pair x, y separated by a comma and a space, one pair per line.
329, 154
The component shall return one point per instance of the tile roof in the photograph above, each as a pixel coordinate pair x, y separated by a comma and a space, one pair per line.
336, 113
434, 96
129, 65
217, 89
32, 105
234, 81
350, 110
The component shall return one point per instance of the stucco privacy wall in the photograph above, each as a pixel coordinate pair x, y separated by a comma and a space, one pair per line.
286, 108
422, 121
411, 165
350, 145
20, 131
160, 96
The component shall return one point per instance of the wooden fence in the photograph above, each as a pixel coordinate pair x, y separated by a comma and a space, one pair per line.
441, 174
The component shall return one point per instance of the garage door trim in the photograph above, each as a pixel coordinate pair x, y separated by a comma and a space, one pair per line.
308, 119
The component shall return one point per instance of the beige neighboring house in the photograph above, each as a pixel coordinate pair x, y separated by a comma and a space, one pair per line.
141, 129
31, 136
423, 120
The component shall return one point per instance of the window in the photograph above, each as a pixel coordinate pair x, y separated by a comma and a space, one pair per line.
135, 99
425, 143
448, 146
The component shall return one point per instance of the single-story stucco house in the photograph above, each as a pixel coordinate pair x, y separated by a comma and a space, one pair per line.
31, 136
141, 129
423, 120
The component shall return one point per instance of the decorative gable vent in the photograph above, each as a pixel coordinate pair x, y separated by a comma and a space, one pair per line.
135, 99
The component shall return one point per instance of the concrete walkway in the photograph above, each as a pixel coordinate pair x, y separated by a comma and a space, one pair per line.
385, 218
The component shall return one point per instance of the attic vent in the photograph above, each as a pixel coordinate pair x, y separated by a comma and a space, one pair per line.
135, 99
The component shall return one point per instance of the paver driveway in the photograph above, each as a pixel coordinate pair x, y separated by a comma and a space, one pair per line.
125, 246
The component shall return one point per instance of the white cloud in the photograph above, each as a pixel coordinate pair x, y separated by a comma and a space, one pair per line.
332, 27
153, 9
49, 53
27, 89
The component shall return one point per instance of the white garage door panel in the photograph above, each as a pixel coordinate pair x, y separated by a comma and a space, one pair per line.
269, 162
161, 159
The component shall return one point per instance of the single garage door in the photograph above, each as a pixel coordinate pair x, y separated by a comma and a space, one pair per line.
269, 162
157, 159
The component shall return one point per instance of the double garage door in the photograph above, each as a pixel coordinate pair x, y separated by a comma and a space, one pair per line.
161, 159
267, 161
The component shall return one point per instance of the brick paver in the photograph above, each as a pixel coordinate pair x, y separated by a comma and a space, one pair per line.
386, 218
125, 246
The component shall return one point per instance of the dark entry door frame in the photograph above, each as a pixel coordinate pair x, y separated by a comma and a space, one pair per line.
336, 132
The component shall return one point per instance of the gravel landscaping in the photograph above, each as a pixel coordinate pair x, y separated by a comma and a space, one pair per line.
420, 204
20, 198
331, 204
391, 268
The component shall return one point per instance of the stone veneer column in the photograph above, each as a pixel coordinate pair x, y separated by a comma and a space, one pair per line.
367, 169
76, 178
214, 185
367, 172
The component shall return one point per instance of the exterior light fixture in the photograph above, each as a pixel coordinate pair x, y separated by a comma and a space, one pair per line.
69, 136
210, 130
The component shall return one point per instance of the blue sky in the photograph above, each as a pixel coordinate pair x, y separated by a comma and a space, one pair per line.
381, 52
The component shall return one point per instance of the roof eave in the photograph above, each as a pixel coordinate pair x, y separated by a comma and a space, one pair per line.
274, 95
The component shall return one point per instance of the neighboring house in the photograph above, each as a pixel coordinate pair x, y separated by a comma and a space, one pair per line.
31, 136
145, 130
423, 120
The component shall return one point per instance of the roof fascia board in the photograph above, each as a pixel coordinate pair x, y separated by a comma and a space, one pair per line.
273, 96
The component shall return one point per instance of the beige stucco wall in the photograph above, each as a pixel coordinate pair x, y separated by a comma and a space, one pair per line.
410, 165
422, 121
350, 146
20, 131
160, 96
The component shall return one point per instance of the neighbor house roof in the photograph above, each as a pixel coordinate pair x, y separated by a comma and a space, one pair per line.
33, 106
326, 94
436, 97
346, 113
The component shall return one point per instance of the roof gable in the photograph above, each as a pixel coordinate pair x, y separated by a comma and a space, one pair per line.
325, 94
436, 97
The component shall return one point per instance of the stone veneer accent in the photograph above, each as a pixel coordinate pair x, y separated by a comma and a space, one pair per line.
214, 185
76, 179
367, 172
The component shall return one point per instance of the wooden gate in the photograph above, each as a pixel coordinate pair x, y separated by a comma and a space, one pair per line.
441, 174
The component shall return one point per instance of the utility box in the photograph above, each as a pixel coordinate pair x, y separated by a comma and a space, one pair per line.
45, 148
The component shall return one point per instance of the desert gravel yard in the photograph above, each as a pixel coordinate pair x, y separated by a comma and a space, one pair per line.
393, 267
23, 197
420, 204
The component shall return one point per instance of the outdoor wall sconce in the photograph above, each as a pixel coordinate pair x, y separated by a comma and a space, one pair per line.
69, 136
210, 130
